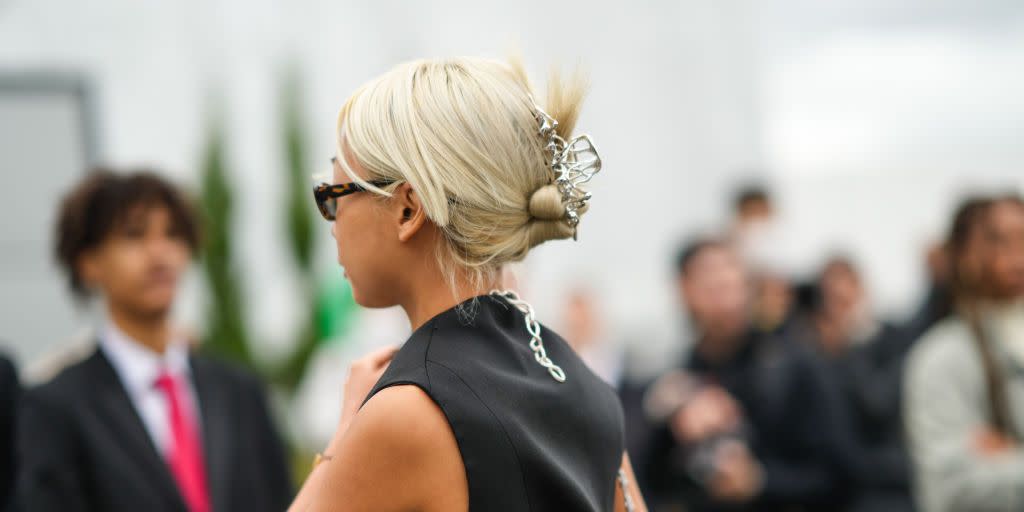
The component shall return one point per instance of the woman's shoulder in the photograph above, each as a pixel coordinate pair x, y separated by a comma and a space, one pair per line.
388, 414
407, 453
404, 424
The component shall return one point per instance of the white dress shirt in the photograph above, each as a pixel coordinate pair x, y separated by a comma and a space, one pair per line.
138, 368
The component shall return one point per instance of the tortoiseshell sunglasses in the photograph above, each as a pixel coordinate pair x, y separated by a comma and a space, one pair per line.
326, 195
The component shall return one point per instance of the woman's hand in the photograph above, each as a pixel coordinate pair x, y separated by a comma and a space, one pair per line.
362, 375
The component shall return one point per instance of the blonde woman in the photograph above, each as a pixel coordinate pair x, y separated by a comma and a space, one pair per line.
446, 170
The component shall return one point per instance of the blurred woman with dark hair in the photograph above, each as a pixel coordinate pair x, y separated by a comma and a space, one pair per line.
964, 383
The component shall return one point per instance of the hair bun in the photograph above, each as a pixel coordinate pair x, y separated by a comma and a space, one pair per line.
547, 212
546, 203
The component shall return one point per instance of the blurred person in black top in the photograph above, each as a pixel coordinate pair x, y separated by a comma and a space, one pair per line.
10, 388
142, 423
750, 422
865, 358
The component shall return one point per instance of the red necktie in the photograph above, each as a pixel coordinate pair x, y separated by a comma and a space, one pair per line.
185, 454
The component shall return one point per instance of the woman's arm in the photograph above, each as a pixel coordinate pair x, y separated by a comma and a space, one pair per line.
398, 453
627, 482
362, 376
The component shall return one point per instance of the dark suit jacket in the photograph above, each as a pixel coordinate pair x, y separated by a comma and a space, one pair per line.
797, 430
83, 447
9, 390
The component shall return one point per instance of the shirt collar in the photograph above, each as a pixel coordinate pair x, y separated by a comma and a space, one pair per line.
137, 365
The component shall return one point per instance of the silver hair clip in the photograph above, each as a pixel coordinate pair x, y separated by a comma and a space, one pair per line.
574, 162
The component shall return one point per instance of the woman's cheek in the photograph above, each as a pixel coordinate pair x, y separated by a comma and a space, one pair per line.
340, 230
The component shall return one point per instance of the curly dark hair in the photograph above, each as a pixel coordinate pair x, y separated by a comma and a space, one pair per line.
104, 199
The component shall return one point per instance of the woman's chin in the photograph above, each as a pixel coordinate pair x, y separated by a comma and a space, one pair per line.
368, 296
357, 294
368, 302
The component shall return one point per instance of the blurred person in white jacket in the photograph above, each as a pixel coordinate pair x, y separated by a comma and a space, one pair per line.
964, 381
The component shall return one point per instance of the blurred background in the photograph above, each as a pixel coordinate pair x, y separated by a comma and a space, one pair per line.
866, 120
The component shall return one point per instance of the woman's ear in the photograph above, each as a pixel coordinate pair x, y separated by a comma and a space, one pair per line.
409, 212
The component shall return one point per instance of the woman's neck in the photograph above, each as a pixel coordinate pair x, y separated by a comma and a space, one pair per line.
431, 297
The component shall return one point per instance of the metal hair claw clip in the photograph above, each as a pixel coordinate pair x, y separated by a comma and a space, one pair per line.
574, 162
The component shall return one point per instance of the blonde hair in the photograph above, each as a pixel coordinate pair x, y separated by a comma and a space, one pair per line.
463, 133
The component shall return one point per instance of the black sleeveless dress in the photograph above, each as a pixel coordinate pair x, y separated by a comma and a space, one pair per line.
528, 442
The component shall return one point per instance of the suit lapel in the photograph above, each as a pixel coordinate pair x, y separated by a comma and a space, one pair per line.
116, 408
216, 409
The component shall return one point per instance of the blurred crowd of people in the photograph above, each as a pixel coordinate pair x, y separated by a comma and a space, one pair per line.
791, 395
795, 396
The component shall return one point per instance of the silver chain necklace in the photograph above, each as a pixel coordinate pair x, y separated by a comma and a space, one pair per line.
533, 327
537, 345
